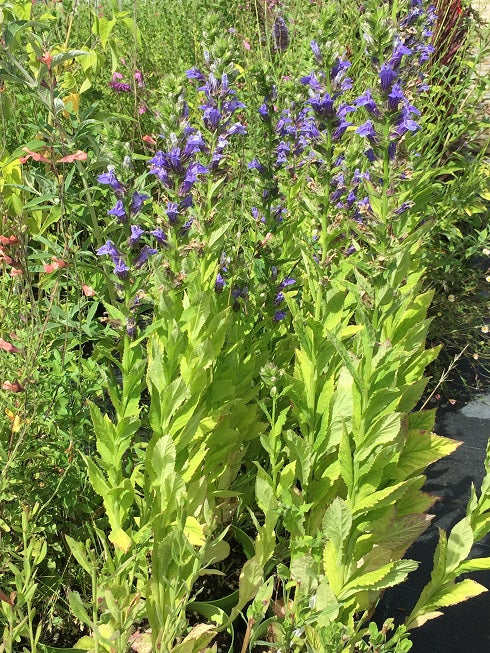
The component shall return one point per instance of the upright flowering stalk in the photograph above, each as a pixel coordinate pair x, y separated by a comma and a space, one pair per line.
325, 121
178, 170
220, 110
391, 117
136, 243
218, 113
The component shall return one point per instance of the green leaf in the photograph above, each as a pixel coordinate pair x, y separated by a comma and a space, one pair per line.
65, 56
337, 523
251, 579
383, 432
421, 449
44, 648
120, 539
102, 27
96, 478
194, 531
264, 492
376, 500
420, 621
343, 408
79, 553
326, 604
387, 576
161, 460
77, 607
346, 462
475, 564
333, 568
459, 544
457, 593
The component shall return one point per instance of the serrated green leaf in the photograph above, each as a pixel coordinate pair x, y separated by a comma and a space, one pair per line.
421, 449
462, 591
337, 523
380, 498
387, 576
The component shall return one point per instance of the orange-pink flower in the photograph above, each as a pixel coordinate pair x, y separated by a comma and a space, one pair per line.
56, 264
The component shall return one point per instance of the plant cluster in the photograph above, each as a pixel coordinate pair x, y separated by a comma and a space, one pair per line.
214, 323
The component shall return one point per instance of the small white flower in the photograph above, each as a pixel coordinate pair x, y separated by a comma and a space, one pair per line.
486, 251
450, 298
485, 328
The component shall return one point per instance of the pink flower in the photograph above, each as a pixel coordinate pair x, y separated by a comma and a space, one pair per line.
139, 78
88, 291
246, 44
142, 109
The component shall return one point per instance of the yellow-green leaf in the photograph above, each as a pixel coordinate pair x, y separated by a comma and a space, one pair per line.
120, 539
420, 621
458, 593
194, 531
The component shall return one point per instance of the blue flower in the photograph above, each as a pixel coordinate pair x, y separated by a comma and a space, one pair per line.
386, 76
398, 52
144, 255
280, 34
282, 150
367, 131
219, 284
108, 248
236, 128
191, 176
136, 233
315, 48
195, 143
131, 327
323, 105
279, 315
111, 180
160, 236
118, 211
137, 202
233, 105
370, 155
312, 81
211, 117
256, 165
287, 281
395, 96
340, 129
368, 102
264, 111
185, 228
404, 207
195, 73
172, 212
121, 269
